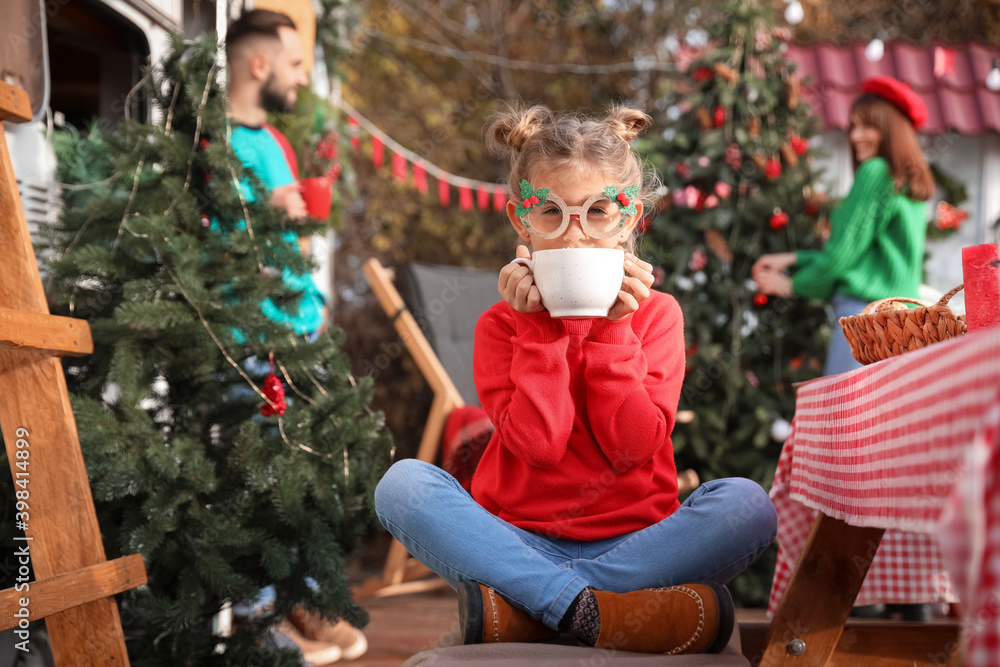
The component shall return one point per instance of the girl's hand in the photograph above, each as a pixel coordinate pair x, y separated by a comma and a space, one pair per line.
517, 286
635, 287
774, 263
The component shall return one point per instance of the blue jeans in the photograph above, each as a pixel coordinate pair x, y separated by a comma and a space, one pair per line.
839, 358
722, 527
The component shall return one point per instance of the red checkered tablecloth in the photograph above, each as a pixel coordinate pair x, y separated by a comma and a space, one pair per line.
890, 445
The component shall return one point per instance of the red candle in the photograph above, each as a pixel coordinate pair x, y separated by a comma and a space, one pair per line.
982, 286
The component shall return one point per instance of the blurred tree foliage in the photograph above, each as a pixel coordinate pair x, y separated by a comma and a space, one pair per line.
908, 20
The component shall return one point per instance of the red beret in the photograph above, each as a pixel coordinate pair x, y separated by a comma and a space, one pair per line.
901, 95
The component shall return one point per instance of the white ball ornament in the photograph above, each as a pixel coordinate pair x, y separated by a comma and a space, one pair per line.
794, 13
780, 430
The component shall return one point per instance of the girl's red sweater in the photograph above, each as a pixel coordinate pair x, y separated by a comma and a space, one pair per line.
583, 411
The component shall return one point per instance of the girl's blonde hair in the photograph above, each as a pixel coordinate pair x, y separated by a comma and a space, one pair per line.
535, 140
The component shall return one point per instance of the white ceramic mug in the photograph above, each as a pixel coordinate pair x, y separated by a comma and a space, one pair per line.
577, 282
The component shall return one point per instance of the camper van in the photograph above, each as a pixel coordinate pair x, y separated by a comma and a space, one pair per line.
79, 60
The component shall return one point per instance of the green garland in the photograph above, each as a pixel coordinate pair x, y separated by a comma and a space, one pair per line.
955, 193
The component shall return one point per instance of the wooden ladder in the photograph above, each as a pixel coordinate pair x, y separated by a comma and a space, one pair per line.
74, 583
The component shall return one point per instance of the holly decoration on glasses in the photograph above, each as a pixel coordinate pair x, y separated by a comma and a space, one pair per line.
623, 198
530, 198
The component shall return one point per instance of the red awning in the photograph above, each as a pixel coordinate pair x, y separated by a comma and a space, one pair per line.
958, 99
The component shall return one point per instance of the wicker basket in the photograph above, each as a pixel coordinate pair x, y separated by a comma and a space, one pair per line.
886, 328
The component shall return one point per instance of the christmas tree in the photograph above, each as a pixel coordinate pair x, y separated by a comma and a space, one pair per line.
736, 164
223, 481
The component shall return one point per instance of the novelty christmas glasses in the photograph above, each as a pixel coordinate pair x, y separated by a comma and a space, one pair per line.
545, 215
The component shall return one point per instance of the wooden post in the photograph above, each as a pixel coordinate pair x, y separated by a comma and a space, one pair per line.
810, 618
73, 580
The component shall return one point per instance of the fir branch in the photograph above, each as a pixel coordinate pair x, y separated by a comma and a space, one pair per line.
128, 207
295, 445
197, 138
291, 384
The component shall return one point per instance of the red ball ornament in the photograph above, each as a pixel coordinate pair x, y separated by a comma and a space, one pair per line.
779, 220
799, 145
275, 393
683, 170
759, 300
702, 74
773, 169
719, 116
700, 202
812, 208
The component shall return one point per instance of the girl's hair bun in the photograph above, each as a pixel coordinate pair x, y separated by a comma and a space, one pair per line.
508, 130
626, 123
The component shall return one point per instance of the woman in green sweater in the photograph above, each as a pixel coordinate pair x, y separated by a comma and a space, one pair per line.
876, 245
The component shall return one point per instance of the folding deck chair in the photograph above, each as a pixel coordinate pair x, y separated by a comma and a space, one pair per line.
438, 328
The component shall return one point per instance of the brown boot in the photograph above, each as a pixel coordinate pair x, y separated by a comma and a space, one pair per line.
486, 618
693, 618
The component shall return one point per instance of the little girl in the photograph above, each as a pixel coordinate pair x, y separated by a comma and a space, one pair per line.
574, 523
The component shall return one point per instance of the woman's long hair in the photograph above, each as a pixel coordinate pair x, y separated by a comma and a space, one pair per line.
898, 145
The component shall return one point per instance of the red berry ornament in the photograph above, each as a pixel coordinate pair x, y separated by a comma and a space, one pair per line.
759, 300
779, 220
799, 145
733, 157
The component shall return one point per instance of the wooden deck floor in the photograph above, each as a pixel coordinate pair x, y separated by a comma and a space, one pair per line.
404, 625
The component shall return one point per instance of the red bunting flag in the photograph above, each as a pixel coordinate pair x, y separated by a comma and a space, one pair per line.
944, 61
352, 122
483, 198
399, 166
499, 199
444, 192
465, 198
420, 178
378, 152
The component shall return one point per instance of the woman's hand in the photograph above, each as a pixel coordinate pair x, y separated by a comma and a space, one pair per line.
775, 284
517, 286
635, 287
775, 263
767, 272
